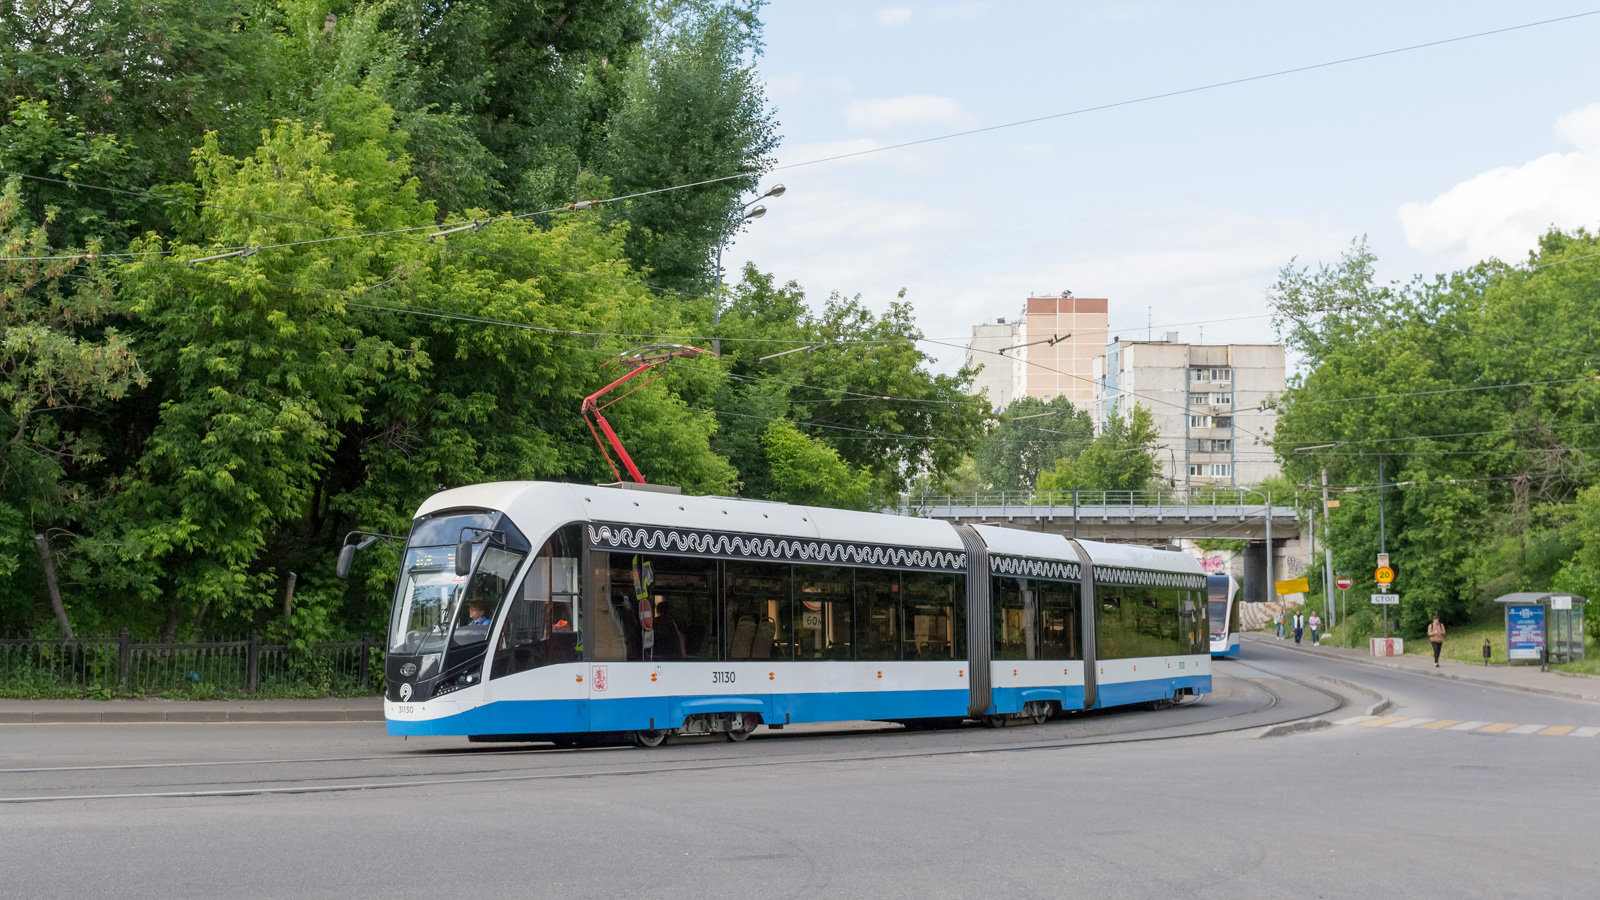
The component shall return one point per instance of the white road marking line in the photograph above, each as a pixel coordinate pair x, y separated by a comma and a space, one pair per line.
1467, 726
1585, 732
1408, 723
1527, 729
1355, 720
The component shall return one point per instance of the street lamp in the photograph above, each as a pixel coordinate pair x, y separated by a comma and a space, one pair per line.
746, 214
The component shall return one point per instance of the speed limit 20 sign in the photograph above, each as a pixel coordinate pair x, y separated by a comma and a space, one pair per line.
1384, 575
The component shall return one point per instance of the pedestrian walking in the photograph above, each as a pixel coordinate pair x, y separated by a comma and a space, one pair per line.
1277, 620
1436, 637
1316, 626
1299, 626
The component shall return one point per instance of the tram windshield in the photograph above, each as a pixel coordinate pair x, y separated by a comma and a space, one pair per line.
1218, 588
433, 600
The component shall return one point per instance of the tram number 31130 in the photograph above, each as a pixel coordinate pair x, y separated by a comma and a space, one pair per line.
722, 678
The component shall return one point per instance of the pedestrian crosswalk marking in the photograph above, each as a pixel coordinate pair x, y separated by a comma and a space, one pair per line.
1480, 727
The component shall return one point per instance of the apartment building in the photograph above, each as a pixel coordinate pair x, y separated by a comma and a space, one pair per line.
1207, 402
1048, 351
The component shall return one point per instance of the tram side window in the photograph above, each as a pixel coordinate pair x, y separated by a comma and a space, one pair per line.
1138, 622
756, 611
1059, 620
541, 618
675, 609
1196, 621
823, 612
934, 605
1015, 618
877, 614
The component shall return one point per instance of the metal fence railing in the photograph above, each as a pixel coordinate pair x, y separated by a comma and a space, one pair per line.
230, 667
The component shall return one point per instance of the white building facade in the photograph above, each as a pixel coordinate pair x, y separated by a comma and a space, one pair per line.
1048, 351
1208, 403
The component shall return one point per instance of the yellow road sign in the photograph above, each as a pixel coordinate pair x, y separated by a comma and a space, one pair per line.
1384, 575
1293, 586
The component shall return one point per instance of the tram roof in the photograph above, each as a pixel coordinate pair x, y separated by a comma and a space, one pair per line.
530, 503
1043, 545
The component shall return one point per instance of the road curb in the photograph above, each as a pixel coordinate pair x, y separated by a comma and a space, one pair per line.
1299, 727
189, 717
1360, 661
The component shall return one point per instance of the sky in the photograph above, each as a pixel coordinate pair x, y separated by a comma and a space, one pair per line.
1182, 210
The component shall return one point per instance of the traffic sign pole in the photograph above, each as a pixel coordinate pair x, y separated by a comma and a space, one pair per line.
1344, 582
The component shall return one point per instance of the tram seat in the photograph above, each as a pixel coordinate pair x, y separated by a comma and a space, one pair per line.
762, 647
743, 634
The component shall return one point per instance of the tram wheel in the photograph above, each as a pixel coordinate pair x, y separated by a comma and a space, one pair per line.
995, 721
1041, 714
742, 726
653, 737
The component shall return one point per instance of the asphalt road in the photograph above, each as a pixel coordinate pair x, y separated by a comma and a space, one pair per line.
1188, 802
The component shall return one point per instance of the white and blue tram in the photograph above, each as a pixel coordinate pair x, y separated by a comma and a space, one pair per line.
577, 609
1222, 594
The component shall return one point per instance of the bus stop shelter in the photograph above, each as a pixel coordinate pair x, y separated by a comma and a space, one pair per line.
1543, 621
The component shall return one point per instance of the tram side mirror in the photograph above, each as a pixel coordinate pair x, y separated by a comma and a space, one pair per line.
463, 558
347, 555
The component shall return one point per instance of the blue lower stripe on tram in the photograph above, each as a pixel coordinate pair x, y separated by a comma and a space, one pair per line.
630, 714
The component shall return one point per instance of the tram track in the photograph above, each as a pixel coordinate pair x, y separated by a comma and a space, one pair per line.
577, 763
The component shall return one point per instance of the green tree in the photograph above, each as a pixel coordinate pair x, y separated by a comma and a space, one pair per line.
806, 470
57, 358
1032, 436
1473, 392
691, 111
1121, 458
307, 390
864, 387
159, 78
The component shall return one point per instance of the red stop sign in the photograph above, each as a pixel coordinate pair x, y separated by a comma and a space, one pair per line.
1344, 582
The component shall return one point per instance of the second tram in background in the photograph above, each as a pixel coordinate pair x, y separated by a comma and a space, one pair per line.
1222, 593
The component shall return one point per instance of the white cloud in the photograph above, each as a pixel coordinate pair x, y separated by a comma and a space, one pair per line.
1502, 212
791, 85
894, 15
1189, 264
961, 11
797, 84
912, 109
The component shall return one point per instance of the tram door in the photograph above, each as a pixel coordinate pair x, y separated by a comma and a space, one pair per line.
542, 629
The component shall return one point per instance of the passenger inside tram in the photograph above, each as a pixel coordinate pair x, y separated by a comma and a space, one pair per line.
670, 642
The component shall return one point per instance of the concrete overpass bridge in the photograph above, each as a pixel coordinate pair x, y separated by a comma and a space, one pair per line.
1142, 516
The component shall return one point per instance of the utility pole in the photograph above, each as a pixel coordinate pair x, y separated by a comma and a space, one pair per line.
1383, 547
1327, 548
1272, 586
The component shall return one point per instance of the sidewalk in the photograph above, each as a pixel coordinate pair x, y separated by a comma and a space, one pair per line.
1517, 678
359, 709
